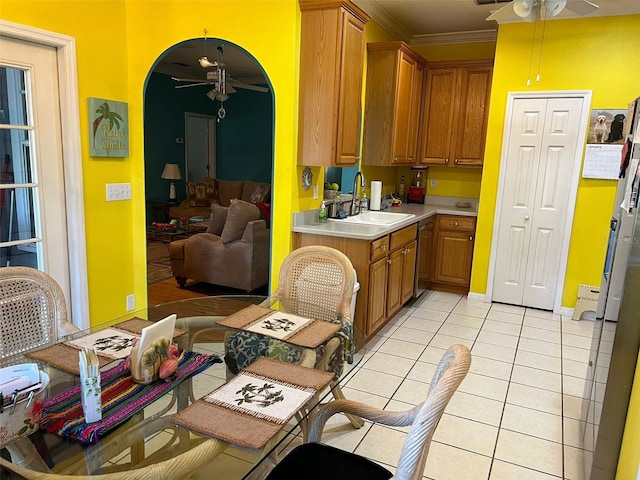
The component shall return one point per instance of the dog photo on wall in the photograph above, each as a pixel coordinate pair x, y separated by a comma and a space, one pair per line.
607, 126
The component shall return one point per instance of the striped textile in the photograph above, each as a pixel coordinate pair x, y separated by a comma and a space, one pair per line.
121, 399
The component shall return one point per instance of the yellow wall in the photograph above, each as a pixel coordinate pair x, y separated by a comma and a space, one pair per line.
629, 460
570, 61
117, 45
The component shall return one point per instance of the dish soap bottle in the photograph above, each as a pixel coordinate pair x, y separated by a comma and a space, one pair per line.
323, 214
364, 202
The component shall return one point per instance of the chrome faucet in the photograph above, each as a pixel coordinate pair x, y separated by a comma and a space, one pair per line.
355, 202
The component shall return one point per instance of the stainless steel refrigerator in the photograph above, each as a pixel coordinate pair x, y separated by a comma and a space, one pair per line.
605, 408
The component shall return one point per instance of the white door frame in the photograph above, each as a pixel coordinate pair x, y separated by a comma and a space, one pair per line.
78, 304
573, 189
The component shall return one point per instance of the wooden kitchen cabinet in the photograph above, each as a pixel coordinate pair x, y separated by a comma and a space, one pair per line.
454, 240
456, 108
386, 272
392, 104
331, 63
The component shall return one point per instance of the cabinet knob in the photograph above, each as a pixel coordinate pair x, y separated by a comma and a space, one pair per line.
446, 160
455, 161
389, 261
471, 238
455, 224
526, 218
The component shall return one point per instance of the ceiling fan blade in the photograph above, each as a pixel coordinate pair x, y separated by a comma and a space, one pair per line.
581, 7
503, 13
193, 85
196, 80
246, 86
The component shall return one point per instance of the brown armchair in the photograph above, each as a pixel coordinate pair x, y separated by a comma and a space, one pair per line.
234, 252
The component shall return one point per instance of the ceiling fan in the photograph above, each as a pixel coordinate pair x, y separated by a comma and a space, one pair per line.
534, 10
212, 78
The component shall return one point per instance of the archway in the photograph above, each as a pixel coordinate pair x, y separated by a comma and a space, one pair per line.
180, 85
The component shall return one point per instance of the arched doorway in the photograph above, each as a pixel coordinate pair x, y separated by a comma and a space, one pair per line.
181, 86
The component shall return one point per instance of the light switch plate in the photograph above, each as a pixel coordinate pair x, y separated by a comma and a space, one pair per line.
118, 191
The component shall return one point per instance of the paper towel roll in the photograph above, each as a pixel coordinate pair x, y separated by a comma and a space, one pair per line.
376, 195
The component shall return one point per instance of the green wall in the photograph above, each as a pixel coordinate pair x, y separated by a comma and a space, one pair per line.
244, 138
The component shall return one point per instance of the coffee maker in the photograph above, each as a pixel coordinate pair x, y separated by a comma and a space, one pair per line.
417, 188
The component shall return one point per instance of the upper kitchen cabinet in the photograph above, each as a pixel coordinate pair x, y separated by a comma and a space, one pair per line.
456, 107
392, 104
331, 68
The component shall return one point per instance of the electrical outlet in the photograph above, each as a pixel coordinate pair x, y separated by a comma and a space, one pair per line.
118, 191
433, 183
131, 302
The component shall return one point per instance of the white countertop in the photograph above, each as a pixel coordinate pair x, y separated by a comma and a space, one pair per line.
307, 222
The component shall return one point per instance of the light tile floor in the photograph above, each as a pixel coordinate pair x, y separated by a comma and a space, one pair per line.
515, 416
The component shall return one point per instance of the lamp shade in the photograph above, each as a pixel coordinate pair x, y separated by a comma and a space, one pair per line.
171, 172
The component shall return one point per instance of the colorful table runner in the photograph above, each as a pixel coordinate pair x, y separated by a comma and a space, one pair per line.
121, 399
290, 328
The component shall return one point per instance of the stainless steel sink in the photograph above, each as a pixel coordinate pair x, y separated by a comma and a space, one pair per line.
376, 218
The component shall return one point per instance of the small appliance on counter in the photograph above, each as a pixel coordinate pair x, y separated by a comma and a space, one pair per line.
417, 188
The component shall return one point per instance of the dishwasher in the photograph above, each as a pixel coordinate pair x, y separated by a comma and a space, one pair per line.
416, 290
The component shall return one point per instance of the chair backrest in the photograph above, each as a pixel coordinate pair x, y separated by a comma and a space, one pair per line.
322, 276
450, 372
32, 310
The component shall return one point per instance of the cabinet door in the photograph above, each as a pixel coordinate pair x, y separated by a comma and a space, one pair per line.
425, 259
408, 271
453, 259
402, 148
350, 96
377, 295
439, 108
394, 281
471, 128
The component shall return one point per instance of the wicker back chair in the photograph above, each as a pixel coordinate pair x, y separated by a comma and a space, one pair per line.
313, 461
320, 276
33, 311
312, 276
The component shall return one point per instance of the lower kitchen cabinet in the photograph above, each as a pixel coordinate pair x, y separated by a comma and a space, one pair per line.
386, 272
453, 253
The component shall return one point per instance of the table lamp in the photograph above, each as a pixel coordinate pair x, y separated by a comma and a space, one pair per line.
171, 172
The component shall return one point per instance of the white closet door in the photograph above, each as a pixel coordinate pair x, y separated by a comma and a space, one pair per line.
541, 153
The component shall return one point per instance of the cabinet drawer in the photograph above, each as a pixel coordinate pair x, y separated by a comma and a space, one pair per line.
454, 222
403, 236
379, 248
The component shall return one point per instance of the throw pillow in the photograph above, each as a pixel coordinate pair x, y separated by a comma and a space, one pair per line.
240, 213
200, 194
255, 192
217, 219
228, 189
265, 212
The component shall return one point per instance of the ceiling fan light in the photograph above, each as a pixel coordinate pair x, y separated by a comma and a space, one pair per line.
523, 8
206, 63
554, 7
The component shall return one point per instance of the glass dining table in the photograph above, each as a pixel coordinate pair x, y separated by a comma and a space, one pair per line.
151, 440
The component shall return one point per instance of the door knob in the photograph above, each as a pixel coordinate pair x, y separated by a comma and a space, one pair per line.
526, 218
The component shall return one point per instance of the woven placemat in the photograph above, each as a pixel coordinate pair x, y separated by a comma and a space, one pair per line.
243, 429
65, 357
135, 325
311, 335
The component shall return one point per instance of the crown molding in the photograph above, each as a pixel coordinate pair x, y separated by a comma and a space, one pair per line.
385, 20
475, 36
